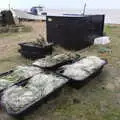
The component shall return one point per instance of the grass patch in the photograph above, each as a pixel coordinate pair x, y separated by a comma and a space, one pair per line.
13, 61
96, 102
14, 30
90, 102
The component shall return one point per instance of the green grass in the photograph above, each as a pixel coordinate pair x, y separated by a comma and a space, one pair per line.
93, 101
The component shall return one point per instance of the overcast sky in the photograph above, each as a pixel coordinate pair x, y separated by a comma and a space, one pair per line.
62, 4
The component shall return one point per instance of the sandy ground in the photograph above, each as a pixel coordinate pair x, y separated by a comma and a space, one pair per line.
98, 99
9, 56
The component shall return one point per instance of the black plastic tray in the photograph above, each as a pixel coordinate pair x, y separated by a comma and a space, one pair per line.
30, 50
32, 105
28, 107
59, 72
37, 101
55, 67
6, 73
19, 83
29, 46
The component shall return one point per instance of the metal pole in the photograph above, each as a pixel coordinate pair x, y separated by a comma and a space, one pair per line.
84, 9
9, 4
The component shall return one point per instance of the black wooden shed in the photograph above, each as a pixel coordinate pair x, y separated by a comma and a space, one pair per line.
74, 31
